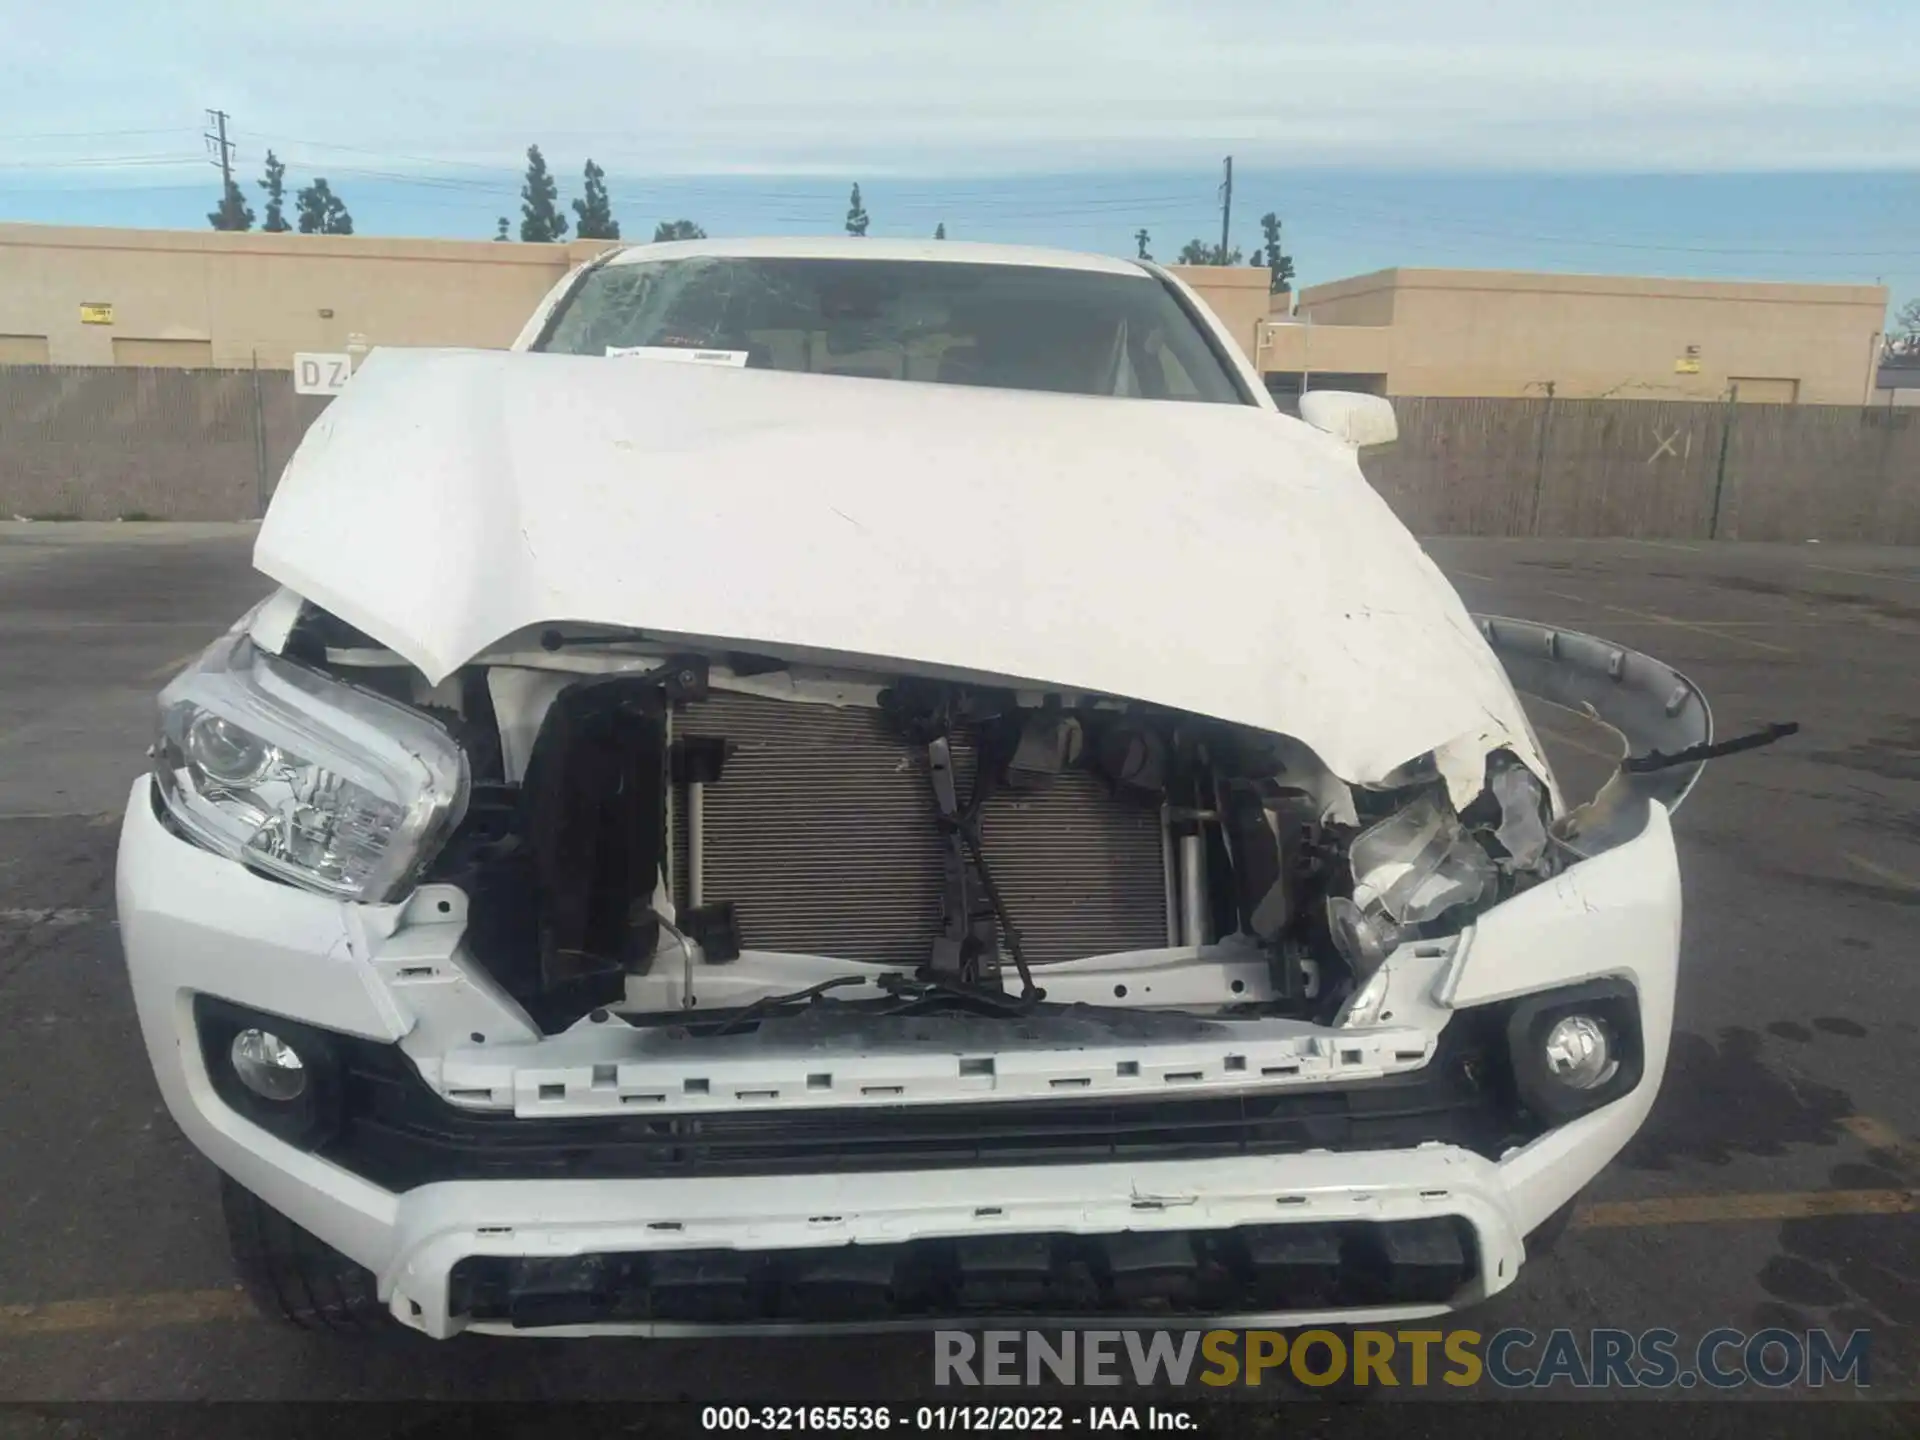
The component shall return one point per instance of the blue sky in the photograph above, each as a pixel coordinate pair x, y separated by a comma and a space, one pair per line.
1690, 137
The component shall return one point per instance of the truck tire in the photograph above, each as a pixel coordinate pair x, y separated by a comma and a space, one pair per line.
293, 1276
1547, 1233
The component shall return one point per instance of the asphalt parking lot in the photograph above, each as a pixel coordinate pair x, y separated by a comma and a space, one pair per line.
1775, 1185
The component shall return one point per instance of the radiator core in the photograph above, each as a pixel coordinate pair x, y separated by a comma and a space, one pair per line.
821, 833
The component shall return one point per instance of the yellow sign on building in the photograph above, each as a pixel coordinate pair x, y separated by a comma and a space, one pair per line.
96, 314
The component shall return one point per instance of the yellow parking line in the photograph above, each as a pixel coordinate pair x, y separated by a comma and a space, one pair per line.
1880, 872
173, 667
124, 1312
1706, 1209
1881, 1136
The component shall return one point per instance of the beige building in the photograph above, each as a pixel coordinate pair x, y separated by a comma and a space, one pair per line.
194, 299
1235, 293
1498, 332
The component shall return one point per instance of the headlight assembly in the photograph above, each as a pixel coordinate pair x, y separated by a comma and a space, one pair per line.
318, 783
1417, 864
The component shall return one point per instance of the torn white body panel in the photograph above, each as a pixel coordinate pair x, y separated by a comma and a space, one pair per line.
1217, 559
195, 923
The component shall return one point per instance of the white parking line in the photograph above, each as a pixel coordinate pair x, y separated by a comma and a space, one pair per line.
55, 917
1698, 628
1864, 574
1707, 1209
1594, 750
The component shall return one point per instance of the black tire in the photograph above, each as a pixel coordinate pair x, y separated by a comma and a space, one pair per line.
1547, 1233
294, 1276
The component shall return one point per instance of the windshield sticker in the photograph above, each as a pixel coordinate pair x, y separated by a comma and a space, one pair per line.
735, 358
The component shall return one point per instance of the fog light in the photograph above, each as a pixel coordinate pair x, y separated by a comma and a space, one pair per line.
1576, 1048
268, 1066
1580, 1052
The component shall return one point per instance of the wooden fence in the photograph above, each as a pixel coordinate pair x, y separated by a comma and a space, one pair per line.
98, 443
1654, 470
112, 442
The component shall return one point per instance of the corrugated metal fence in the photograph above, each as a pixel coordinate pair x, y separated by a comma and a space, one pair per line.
98, 443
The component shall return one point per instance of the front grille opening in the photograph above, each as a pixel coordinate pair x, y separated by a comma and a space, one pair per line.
397, 1133
1249, 1270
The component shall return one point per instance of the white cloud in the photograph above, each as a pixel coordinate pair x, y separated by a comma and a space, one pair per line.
985, 86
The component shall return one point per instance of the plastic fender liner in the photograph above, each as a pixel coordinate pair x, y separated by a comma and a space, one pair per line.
1650, 705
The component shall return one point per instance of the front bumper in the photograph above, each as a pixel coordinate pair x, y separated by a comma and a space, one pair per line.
193, 923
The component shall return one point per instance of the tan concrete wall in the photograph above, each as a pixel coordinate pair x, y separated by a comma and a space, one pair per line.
23, 350
196, 299
230, 297
1361, 300
1236, 293
1503, 333
1322, 349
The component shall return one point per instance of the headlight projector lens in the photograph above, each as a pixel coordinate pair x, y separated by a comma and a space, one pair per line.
225, 752
268, 1066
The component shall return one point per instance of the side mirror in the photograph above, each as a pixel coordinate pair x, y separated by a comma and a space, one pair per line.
1355, 419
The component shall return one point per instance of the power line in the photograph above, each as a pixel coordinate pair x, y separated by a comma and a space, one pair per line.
93, 134
1311, 226
932, 194
103, 162
1002, 208
1402, 219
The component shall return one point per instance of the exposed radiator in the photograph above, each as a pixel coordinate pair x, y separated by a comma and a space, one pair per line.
821, 833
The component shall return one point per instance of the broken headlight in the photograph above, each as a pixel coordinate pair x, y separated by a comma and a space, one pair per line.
317, 783
1424, 860
1419, 863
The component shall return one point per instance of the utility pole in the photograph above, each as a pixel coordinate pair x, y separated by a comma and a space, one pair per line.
218, 118
1226, 209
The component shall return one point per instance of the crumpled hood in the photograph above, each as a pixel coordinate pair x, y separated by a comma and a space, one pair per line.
1219, 559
